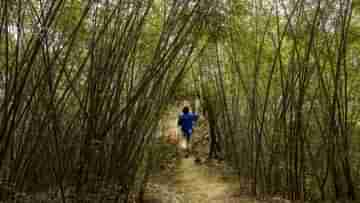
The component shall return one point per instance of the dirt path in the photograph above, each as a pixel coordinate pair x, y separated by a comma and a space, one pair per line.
201, 183
193, 182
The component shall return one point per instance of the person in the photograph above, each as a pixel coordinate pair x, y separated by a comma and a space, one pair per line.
186, 121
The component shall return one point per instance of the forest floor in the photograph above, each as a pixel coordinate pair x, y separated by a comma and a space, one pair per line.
195, 179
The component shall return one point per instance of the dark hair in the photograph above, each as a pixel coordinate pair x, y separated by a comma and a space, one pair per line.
186, 109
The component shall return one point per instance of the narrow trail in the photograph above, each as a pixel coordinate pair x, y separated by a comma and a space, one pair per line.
201, 183
193, 182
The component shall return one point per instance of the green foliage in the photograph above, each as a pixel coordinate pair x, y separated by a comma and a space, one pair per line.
284, 87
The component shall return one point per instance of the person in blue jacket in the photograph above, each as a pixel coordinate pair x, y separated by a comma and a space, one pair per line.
186, 121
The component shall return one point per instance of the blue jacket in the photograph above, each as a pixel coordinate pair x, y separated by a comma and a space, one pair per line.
186, 121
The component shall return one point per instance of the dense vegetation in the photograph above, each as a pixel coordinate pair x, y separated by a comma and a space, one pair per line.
84, 83
83, 86
284, 95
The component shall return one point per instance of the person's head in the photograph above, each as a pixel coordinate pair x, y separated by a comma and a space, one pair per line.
186, 109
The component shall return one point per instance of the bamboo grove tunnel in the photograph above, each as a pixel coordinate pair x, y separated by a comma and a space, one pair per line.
85, 85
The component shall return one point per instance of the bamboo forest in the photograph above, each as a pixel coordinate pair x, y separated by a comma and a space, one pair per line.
184, 101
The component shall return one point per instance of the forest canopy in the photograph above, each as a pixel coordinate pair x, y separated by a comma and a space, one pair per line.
83, 85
